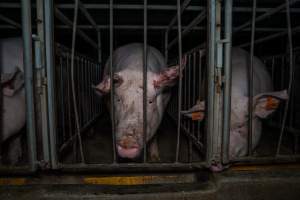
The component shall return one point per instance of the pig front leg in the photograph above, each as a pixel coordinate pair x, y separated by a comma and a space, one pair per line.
14, 153
153, 151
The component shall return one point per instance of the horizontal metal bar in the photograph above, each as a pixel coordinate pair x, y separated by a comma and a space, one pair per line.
263, 39
16, 170
265, 15
10, 21
138, 27
133, 167
268, 159
140, 7
69, 23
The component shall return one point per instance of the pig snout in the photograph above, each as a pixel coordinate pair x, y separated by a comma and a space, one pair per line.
128, 147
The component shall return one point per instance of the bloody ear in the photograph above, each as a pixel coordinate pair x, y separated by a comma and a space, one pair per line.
168, 77
12, 82
267, 103
197, 112
103, 88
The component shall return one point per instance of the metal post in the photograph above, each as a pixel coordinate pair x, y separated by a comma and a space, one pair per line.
41, 73
180, 79
211, 77
145, 83
28, 65
227, 74
49, 53
166, 46
250, 81
99, 47
77, 125
112, 93
291, 73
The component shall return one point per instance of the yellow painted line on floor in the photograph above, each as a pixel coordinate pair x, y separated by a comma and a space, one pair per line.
264, 167
12, 181
128, 180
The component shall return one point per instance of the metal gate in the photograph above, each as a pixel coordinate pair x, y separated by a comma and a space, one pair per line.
69, 107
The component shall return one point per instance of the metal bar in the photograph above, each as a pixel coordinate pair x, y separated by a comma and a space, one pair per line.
87, 15
28, 71
263, 39
191, 25
227, 84
180, 79
140, 7
145, 98
99, 47
112, 93
166, 46
151, 27
10, 21
211, 77
291, 74
183, 7
265, 15
133, 167
49, 52
250, 81
41, 73
268, 160
69, 23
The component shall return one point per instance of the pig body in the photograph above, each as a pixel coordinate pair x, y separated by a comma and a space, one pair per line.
265, 102
128, 99
13, 96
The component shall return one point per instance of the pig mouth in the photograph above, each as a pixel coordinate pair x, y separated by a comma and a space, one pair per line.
130, 153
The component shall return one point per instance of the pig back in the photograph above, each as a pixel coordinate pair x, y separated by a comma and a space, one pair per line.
130, 56
240, 66
11, 54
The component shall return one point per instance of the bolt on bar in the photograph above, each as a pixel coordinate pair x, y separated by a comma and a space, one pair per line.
112, 93
250, 81
145, 83
227, 74
10, 21
264, 16
180, 79
291, 75
27, 59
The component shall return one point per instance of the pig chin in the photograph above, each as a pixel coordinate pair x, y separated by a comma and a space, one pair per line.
130, 153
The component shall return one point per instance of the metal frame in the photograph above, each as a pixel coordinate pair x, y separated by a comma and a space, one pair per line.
218, 61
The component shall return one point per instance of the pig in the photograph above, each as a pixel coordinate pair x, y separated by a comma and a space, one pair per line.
128, 100
13, 96
265, 102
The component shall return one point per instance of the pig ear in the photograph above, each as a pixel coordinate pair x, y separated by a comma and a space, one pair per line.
103, 87
12, 82
197, 112
168, 77
267, 103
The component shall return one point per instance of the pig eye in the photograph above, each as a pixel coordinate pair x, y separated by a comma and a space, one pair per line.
118, 99
150, 101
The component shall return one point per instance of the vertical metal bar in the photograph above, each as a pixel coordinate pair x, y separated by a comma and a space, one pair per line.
190, 122
227, 74
99, 47
27, 59
42, 73
111, 36
62, 91
250, 80
166, 46
211, 78
291, 73
180, 79
49, 51
145, 83
73, 82
199, 90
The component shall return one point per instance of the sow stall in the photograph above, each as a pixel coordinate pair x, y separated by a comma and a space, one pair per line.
66, 46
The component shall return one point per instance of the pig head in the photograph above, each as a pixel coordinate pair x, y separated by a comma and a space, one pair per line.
128, 99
